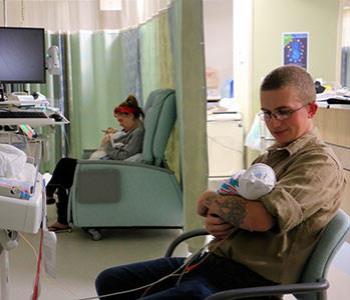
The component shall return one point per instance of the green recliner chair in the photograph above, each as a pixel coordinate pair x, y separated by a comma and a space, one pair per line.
139, 192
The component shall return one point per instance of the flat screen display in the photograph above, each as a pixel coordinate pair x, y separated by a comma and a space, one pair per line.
22, 55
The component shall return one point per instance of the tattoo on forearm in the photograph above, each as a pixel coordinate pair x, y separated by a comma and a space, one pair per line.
232, 211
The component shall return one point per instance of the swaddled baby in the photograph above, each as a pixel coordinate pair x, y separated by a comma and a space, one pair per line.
258, 180
100, 152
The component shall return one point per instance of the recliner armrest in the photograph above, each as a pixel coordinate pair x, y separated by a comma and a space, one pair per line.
121, 163
138, 157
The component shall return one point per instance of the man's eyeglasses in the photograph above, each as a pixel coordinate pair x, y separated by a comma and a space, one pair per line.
279, 114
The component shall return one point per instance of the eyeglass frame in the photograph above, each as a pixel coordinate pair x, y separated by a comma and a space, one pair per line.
267, 115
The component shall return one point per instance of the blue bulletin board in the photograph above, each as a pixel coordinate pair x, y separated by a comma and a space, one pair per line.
296, 48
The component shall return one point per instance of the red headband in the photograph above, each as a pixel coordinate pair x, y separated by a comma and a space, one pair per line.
124, 109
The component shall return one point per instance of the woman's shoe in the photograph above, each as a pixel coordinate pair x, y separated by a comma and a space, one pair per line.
50, 200
58, 227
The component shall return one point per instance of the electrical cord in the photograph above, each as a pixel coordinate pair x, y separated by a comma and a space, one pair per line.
36, 288
190, 267
53, 281
186, 267
218, 142
135, 289
150, 285
29, 244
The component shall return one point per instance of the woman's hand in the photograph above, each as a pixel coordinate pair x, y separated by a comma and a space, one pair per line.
105, 139
217, 227
110, 130
107, 136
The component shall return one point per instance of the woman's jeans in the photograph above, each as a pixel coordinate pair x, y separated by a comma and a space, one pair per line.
213, 274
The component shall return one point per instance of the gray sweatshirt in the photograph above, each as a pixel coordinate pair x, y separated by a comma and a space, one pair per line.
126, 144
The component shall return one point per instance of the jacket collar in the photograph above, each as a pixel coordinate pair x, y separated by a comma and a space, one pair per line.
298, 144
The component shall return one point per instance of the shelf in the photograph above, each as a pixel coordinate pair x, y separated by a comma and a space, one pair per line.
33, 121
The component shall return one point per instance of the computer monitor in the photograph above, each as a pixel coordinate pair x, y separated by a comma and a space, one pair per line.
22, 55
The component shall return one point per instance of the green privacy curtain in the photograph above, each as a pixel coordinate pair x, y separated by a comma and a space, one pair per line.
188, 50
157, 64
100, 68
158, 70
96, 80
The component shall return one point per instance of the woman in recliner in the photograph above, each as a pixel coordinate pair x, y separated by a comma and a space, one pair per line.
118, 145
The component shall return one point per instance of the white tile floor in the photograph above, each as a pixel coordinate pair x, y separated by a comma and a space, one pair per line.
79, 259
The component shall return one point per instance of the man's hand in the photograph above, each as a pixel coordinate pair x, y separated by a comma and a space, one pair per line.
235, 210
217, 227
213, 223
203, 202
231, 209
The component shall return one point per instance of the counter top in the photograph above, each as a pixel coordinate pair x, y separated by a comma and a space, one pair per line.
324, 104
224, 116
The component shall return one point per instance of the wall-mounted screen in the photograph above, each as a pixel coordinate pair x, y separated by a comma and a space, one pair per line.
22, 55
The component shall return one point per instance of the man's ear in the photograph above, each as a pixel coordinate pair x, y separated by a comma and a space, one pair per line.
312, 109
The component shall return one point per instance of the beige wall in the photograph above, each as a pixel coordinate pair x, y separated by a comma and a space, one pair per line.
273, 17
218, 37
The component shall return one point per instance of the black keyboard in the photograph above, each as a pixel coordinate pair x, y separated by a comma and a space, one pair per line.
7, 114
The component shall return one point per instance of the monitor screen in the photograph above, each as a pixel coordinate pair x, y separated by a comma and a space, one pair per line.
22, 55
